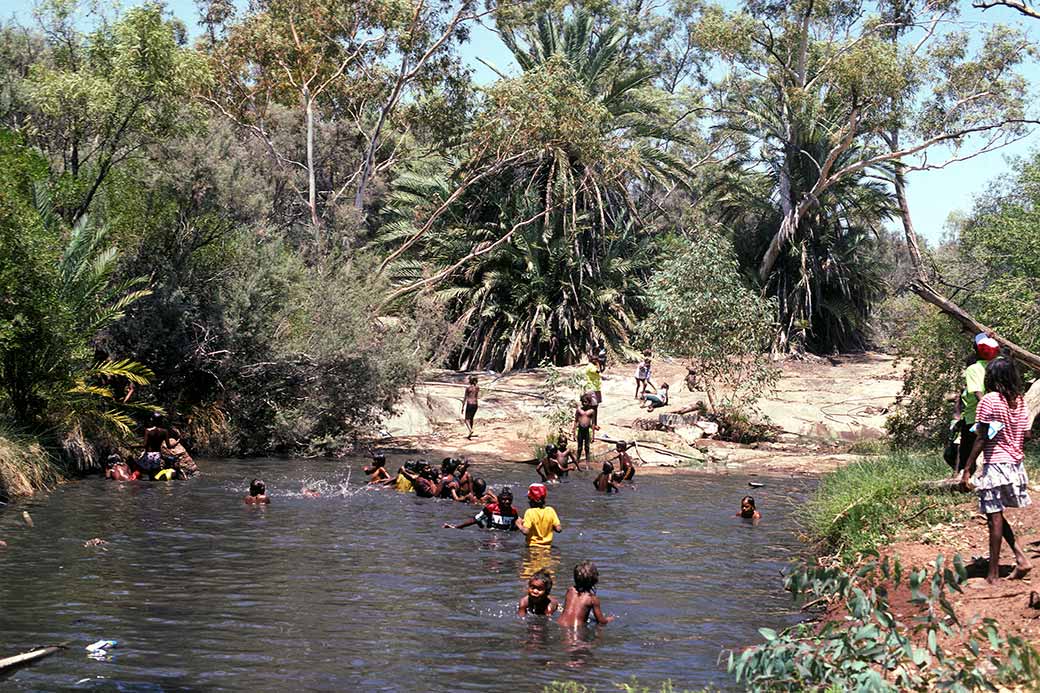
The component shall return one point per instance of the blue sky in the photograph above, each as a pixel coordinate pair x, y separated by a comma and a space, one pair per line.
933, 195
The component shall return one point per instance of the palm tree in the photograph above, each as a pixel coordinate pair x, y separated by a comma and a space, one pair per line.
574, 269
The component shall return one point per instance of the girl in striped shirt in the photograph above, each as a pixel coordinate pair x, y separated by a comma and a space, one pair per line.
1002, 422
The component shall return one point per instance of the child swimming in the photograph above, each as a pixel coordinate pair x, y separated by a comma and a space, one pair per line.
538, 600
377, 473
604, 482
748, 511
540, 521
581, 600
257, 493
497, 515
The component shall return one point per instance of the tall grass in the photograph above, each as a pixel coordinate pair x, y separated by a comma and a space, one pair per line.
25, 466
862, 505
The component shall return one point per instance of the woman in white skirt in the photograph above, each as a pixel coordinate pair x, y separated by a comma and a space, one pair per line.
1002, 421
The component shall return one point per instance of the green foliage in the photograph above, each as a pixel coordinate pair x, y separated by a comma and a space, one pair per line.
632, 686
702, 311
996, 261
560, 393
25, 465
937, 350
60, 299
870, 649
105, 95
862, 505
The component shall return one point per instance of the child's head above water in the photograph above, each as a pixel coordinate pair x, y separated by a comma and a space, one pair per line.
536, 494
747, 506
608, 467
257, 488
505, 496
586, 576
379, 460
540, 585
479, 487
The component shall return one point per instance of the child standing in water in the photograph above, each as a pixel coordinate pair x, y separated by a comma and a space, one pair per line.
626, 468
581, 600
604, 483
540, 520
537, 600
582, 427
257, 493
469, 404
377, 473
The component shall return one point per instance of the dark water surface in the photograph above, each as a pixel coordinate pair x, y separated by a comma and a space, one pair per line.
361, 590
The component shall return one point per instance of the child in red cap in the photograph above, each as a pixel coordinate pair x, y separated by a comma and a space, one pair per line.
540, 521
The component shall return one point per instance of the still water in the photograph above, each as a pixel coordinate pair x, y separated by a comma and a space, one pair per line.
362, 590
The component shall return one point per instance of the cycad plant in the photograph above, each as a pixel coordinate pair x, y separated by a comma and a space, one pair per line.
58, 297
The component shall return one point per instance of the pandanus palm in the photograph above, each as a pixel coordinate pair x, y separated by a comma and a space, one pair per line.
583, 134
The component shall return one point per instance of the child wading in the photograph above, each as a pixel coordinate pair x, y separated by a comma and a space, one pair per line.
257, 493
1001, 421
540, 520
581, 600
537, 600
604, 482
469, 404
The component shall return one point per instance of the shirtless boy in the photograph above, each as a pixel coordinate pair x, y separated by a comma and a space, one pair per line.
154, 438
581, 600
604, 482
582, 427
469, 404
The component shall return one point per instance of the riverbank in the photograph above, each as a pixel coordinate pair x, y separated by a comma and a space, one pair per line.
824, 409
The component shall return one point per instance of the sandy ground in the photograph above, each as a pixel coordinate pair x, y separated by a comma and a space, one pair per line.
822, 406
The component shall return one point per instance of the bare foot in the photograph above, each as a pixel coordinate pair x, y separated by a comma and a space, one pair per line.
1020, 572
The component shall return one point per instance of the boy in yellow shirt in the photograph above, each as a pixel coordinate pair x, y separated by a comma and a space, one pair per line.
539, 522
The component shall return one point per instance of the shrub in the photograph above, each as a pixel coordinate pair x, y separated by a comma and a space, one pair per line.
702, 311
870, 649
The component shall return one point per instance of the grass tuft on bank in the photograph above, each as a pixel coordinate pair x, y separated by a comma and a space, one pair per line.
863, 505
25, 466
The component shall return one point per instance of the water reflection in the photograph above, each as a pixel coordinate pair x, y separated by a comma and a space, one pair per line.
361, 589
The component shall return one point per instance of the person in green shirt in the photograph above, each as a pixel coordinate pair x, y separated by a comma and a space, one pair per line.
986, 349
595, 381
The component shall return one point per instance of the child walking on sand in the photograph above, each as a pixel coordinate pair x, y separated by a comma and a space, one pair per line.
1002, 422
581, 600
469, 404
538, 600
540, 520
643, 376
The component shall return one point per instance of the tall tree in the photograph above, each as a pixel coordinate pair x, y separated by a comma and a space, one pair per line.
106, 96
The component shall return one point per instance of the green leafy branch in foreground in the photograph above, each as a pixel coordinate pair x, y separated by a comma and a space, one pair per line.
870, 650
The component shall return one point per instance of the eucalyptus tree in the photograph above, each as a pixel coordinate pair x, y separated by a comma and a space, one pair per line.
345, 70
100, 98
834, 70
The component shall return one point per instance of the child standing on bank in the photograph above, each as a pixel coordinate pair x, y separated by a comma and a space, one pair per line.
469, 404
643, 376
540, 520
581, 600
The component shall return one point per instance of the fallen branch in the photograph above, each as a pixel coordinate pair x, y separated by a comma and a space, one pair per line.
31, 656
